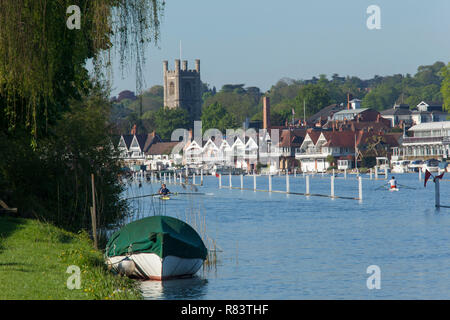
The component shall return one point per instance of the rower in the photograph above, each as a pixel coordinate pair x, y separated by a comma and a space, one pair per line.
393, 183
163, 190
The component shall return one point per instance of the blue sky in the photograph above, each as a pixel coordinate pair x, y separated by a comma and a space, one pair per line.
258, 42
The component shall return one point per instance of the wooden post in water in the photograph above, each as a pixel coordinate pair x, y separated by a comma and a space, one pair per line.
201, 176
437, 195
254, 181
193, 178
295, 172
345, 173
370, 173
360, 188
220, 181
242, 181
376, 172
287, 182
332, 186
385, 172
307, 185
230, 179
94, 214
270, 182
420, 174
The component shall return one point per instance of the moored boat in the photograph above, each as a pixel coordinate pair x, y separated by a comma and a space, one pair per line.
156, 248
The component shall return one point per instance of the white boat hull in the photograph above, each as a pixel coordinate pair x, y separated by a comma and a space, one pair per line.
151, 266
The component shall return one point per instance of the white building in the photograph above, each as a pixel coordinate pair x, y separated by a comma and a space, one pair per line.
430, 140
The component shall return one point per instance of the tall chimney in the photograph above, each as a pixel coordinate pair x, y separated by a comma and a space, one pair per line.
266, 113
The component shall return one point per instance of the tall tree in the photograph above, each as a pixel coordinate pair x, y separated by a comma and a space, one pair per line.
43, 62
445, 88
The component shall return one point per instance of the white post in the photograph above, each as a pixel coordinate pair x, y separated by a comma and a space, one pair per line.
332, 186
201, 176
295, 172
242, 181
437, 195
181, 178
345, 173
370, 174
360, 188
220, 181
270, 182
385, 172
164, 177
287, 182
229, 175
193, 178
376, 172
254, 181
420, 174
170, 179
307, 184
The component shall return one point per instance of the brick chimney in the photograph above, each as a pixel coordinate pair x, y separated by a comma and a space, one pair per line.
266, 113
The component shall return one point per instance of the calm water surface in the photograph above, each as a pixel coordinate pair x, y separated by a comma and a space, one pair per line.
277, 246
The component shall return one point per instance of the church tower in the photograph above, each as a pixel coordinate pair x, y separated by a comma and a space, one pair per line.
183, 88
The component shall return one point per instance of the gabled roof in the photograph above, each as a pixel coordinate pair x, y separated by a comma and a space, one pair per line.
128, 138
395, 112
325, 113
161, 148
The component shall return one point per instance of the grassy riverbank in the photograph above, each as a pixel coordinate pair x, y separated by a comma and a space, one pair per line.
34, 258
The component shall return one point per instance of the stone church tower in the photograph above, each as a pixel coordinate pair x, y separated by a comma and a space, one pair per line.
183, 88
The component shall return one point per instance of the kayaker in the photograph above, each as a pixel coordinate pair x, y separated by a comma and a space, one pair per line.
393, 183
163, 190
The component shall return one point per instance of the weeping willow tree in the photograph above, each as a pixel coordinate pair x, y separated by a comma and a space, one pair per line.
43, 62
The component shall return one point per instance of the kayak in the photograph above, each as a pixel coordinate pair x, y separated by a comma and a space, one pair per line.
165, 197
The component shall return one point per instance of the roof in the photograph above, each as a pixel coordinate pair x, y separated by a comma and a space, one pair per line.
325, 113
352, 111
395, 112
292, 138
161, 148
431, 126
128, 138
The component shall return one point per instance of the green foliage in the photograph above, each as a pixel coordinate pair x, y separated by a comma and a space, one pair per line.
217, 117
315, 96
445, 88
167, 120
36, 255
42, 65
240, 102
52, 182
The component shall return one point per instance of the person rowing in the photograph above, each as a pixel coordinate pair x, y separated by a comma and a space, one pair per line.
393, 183
163, 190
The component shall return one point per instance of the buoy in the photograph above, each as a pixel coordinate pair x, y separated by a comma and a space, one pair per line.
126, 267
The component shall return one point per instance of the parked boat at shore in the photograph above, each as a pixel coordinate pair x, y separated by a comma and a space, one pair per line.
156, 248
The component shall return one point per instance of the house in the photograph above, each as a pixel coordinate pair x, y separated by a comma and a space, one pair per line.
290, 140
429, 140
132, 148
324, 115
319, 149
397, 115
363, 114
161, 156
428, 112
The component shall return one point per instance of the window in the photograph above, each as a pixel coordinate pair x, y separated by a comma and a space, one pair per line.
171, 88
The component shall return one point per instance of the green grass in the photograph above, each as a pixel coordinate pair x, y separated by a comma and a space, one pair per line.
34, 258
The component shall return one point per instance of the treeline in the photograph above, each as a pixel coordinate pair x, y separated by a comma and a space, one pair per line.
234, 103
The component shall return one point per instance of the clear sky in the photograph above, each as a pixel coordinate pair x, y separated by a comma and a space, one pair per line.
258, 42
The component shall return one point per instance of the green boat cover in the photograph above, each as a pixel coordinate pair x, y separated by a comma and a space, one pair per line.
162, 235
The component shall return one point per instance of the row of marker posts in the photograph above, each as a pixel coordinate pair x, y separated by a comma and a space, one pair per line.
307, 184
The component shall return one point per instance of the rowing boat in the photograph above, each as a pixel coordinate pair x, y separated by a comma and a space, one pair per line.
393, 189
156, 248
164, 197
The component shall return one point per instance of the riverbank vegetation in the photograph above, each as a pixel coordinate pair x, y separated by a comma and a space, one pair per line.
35, 256
55, 131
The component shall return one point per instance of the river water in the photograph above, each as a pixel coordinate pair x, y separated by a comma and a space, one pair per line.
278, 246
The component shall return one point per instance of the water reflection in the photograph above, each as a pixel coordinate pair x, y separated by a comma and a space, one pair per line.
190, 288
